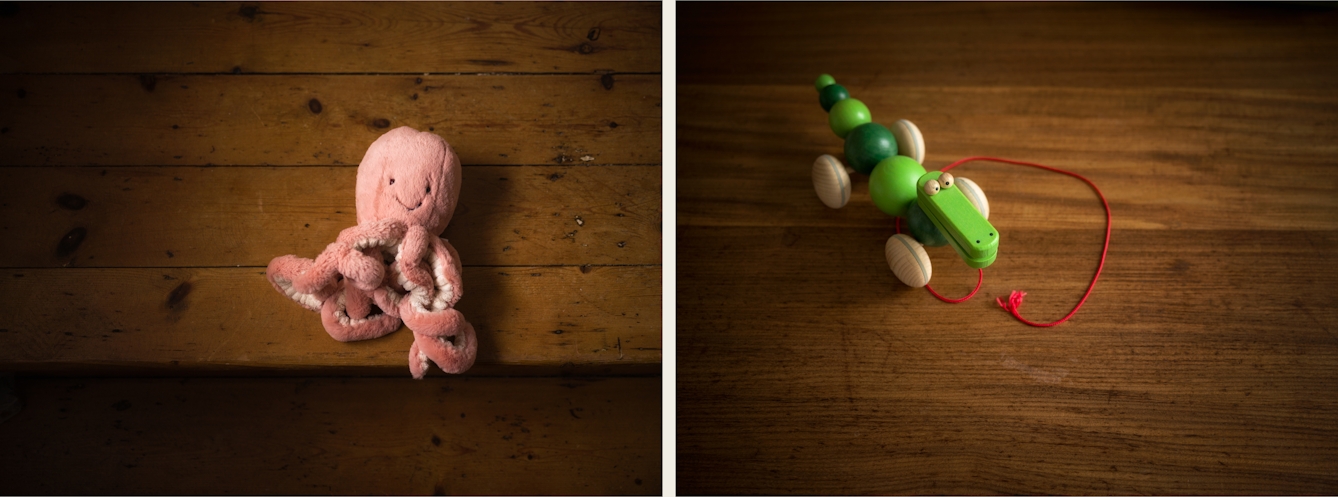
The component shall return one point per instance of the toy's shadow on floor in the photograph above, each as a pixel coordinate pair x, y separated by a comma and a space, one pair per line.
478, 231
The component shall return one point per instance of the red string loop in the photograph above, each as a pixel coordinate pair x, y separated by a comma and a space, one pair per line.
979, 279
1015, 297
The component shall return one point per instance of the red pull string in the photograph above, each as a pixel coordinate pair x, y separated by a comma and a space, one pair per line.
1015, 297
980, 279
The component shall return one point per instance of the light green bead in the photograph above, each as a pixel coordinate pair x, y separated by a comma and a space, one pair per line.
823, 81
892, 184
846, 115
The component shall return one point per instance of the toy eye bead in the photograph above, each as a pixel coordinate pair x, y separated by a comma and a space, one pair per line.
392, 181
945, 180
931, 188
429, 189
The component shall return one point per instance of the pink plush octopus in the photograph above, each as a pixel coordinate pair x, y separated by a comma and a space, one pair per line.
392, 266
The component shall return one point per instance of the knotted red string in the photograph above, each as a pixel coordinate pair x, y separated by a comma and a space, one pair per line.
1015, 297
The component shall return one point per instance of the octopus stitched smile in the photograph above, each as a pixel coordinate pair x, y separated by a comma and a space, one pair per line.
410, 209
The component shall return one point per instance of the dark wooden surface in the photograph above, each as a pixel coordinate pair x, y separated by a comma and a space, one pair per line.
335, 436
154, 157
1206, 361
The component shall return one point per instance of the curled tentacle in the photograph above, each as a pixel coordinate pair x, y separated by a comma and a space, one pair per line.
282, 272
444, 337
335, 315
355, 255
411, 272
360, 258
433, 285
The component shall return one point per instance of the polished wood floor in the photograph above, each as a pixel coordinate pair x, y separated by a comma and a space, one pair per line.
155, 156
1206, 360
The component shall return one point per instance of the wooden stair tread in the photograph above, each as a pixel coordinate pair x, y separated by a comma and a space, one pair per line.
227, 216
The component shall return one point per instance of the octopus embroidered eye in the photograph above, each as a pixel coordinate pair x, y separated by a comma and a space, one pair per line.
429, 189
392, 181
931, 188
945, 180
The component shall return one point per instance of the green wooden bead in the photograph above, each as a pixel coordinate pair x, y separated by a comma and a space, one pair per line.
922, 228
832, 94
823, 81
847, 115
892, 184
869, 144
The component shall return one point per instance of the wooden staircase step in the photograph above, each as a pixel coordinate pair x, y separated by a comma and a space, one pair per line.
170, 320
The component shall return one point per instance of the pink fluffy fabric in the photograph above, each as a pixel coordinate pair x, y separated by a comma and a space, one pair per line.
393, 266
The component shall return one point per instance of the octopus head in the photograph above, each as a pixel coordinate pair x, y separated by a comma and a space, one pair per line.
409, 175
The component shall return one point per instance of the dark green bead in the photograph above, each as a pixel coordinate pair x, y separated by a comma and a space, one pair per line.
832, 94
922, 228
869, 144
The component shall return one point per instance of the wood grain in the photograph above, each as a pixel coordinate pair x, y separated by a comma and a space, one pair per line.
153, 159
171, 320
226, 216
1277, 46
1203, 363
331, 37
115, 120
1184, 371
329, 436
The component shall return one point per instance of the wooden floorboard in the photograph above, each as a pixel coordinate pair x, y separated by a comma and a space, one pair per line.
1204, 362
474, 436
227, 216
120, 120
172, 319
1099, 45
344, 37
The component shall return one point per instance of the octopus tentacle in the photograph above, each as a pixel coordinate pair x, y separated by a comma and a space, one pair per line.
345, 328
441, 333
282, 272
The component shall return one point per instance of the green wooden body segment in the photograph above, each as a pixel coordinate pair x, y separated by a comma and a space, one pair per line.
969, 233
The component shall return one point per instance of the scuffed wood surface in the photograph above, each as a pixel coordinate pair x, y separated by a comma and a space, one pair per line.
225, 216
508, 436
331, 37
179, 319
128, 119
1206, 361
154, 157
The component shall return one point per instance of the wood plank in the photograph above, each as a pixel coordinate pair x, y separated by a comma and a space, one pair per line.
227, 216
116, 120
1203, 363
331, 37
335, 436
1232, 148
605, 319
1275, 45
